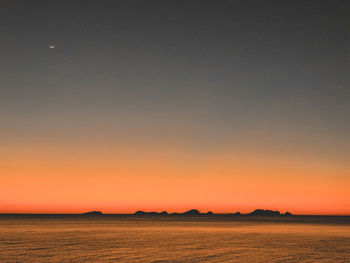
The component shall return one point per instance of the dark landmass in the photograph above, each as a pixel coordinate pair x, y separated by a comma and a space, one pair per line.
93, 213
234, 214
189, 213
195, 212
263, 212
192, 212
150, 213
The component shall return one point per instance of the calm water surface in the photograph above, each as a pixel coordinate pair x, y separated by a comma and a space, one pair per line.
138, 239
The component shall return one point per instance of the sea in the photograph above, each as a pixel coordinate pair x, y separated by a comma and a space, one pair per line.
131, 238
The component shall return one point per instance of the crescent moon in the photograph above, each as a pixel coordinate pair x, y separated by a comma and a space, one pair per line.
51, 46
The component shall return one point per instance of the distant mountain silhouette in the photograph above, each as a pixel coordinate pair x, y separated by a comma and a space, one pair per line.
263, 212
192, 212
93, 213
195, 212
147, 213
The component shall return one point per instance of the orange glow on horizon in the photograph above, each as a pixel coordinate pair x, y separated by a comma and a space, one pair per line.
172, 181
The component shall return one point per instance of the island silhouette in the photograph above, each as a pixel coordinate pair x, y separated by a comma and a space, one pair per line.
93, 213
195, 212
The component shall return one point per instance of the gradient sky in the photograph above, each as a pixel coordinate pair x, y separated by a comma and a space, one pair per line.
172, 105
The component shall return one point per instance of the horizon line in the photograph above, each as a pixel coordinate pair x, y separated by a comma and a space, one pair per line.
237, 213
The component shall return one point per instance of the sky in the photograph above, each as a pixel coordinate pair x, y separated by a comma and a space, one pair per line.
172, 105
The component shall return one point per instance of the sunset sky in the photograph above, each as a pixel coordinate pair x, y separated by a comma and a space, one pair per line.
171, 105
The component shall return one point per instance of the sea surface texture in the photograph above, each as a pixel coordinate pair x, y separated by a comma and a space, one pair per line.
173, 239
